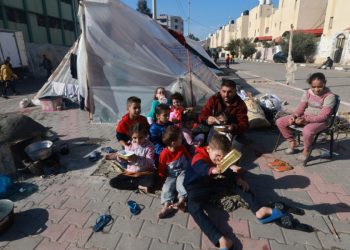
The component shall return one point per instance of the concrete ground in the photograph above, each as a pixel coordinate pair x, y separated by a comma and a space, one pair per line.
57, 212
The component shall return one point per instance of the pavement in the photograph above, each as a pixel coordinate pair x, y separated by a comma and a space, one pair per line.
57, 212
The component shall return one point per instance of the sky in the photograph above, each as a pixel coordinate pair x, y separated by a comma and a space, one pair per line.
206, 15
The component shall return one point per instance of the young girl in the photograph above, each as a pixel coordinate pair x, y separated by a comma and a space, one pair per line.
159, 97
312, 113
140, 166
176, 109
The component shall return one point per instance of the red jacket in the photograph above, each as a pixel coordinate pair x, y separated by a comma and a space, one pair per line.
236, 113
125, 124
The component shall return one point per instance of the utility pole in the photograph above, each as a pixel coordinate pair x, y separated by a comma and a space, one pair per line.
290, 66
154, 9
189, 17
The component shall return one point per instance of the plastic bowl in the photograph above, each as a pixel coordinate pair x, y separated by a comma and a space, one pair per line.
40, 150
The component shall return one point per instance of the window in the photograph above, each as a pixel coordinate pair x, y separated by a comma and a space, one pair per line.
54, 23
330, 25
176, 20
40, 20
175, 27
15, 15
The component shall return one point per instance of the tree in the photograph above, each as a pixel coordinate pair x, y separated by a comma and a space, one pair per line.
193, 37
233, 46
304, 46
143, 8
247, 47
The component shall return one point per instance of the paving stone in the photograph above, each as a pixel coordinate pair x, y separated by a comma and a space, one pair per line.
76, 192
126, 243
240, 227
76, 235
189, 247
267, 231
156, 231
191, 223
293, 236
180, 235
55, 215
341, 226
92, 220
117, 196
243, 214
55, 201
329, 241
316, 221
97, 207
56, 189
277, 246
101, 240
54, 231
46, 244
299, 196
323, 198
156, 203
95, 194
75, 203
148, 214
37, 198
179, 219
142, 199
308, 247
24, 243
127, 226
74, 247
249, 244
76, 218
330, 188
156, 244
121, 210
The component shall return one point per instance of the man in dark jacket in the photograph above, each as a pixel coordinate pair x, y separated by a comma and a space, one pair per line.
226, 108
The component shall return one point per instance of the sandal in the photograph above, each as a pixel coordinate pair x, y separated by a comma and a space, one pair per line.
276, 214
101, 222
165, 211
135, 208
287, 221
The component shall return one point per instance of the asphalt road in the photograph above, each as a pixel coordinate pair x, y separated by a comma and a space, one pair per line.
338, 81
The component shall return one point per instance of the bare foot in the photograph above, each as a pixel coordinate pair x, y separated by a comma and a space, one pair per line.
165, 211
263, 212
225, 243
143, 189
180, 205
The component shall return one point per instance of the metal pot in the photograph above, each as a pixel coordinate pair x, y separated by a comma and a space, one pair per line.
6, 214
40, 150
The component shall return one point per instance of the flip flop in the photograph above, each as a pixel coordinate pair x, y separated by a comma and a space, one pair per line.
101, 222
283, 168
276, 214
135, 208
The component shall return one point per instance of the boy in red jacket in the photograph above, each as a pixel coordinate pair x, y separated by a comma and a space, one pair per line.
132, 117
201, 185
173, 161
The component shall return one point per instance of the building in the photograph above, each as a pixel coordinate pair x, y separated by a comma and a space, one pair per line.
172, 22
258, 20
241, 28
42, 21
335, 40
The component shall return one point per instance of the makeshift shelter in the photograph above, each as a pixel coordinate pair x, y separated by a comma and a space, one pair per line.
123, 53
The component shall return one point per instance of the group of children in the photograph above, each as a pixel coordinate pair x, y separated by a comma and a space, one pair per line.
163, 143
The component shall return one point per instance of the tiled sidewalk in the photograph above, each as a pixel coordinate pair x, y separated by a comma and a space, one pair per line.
59, 215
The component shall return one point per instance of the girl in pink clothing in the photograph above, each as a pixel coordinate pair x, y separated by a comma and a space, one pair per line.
139, 168
313, 113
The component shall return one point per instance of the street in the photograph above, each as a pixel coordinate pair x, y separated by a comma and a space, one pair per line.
338, 81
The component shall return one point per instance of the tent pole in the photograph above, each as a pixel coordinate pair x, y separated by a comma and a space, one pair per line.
190, 71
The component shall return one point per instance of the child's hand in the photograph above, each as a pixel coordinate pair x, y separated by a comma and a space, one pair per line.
216, 170
132, 158
241, 183
291, 120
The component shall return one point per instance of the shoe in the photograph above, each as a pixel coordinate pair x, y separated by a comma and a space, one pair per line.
290, 151
276, 214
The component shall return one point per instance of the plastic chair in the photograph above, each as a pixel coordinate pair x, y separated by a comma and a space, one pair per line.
298, 131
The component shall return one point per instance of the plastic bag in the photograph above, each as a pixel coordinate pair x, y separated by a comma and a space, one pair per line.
270, 102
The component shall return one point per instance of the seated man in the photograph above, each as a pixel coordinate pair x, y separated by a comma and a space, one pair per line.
327, 64
226, 108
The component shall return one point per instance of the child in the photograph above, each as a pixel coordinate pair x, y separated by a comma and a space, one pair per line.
176, 109
140, 167
201, 183
188, 120
159, 97
172, 164
156, 130
133, 116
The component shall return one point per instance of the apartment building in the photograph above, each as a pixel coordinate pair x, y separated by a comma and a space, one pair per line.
172, 22
42, 21
335, 40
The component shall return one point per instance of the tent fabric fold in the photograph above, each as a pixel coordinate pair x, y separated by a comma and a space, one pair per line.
123, 53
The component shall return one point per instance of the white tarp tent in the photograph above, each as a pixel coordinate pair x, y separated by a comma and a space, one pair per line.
122, 53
